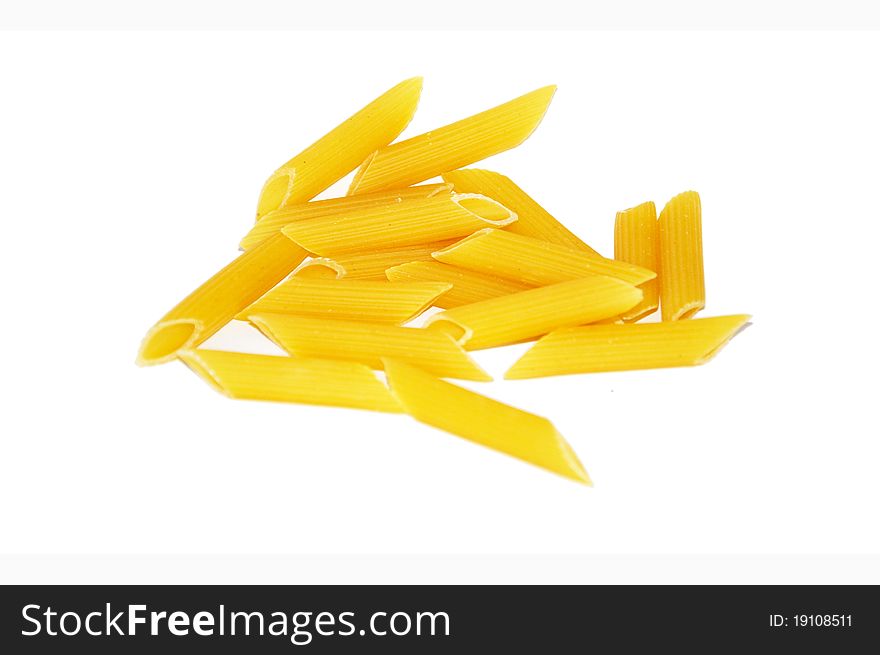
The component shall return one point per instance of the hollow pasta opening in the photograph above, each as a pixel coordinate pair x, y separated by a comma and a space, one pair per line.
687, 311
165, 340
459, 333
484, 208
319, 268
275, 192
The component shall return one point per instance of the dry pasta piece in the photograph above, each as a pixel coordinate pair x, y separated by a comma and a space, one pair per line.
339, 152
291, 379
534, 220
682, 286
349, 300
528, 314
532, 261
272, 222
467, 286
409, 223
637, 241
453, 146
367, 266
482, 420
368, 343
219, 299
595, 348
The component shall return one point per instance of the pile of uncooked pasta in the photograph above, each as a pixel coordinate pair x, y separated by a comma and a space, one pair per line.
336, 283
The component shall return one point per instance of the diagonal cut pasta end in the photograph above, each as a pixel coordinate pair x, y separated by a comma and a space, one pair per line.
536, 103
359, 174
482, 420
440, 255
571, 466
453, 146
197, 364
245, 376
627, 347
368, 343
164, 341
728, 328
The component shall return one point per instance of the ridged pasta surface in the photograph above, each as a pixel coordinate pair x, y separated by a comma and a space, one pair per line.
597, 348
532, 261
467, 286
368, 343
211, 306
534, 220
272, 222
292, 380
349, 300
637, 241
482, 420
453, 146
341, 150
409, 223
535, 312
682, 285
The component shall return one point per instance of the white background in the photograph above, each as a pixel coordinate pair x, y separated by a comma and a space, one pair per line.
130, 166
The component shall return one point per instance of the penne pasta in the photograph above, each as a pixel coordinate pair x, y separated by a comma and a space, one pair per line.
292, 380
637, 241
409, 223
532, 261
368, 343
682, 287
482, 420
528, 314
367, 266
595, 348
467, 286
453, 146
272, 222
337, 282
339, 152
534, 221
349, 300
219, 299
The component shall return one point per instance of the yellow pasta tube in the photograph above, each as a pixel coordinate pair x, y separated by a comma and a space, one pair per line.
408, 223
482, 420
467, 286
292, 380
534, 220
272, 222
349, 300
596, 348
682, 286
369, 265
368, 343
219, 299
532, 261
453, 146
637, 241
528, 314
340, 151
